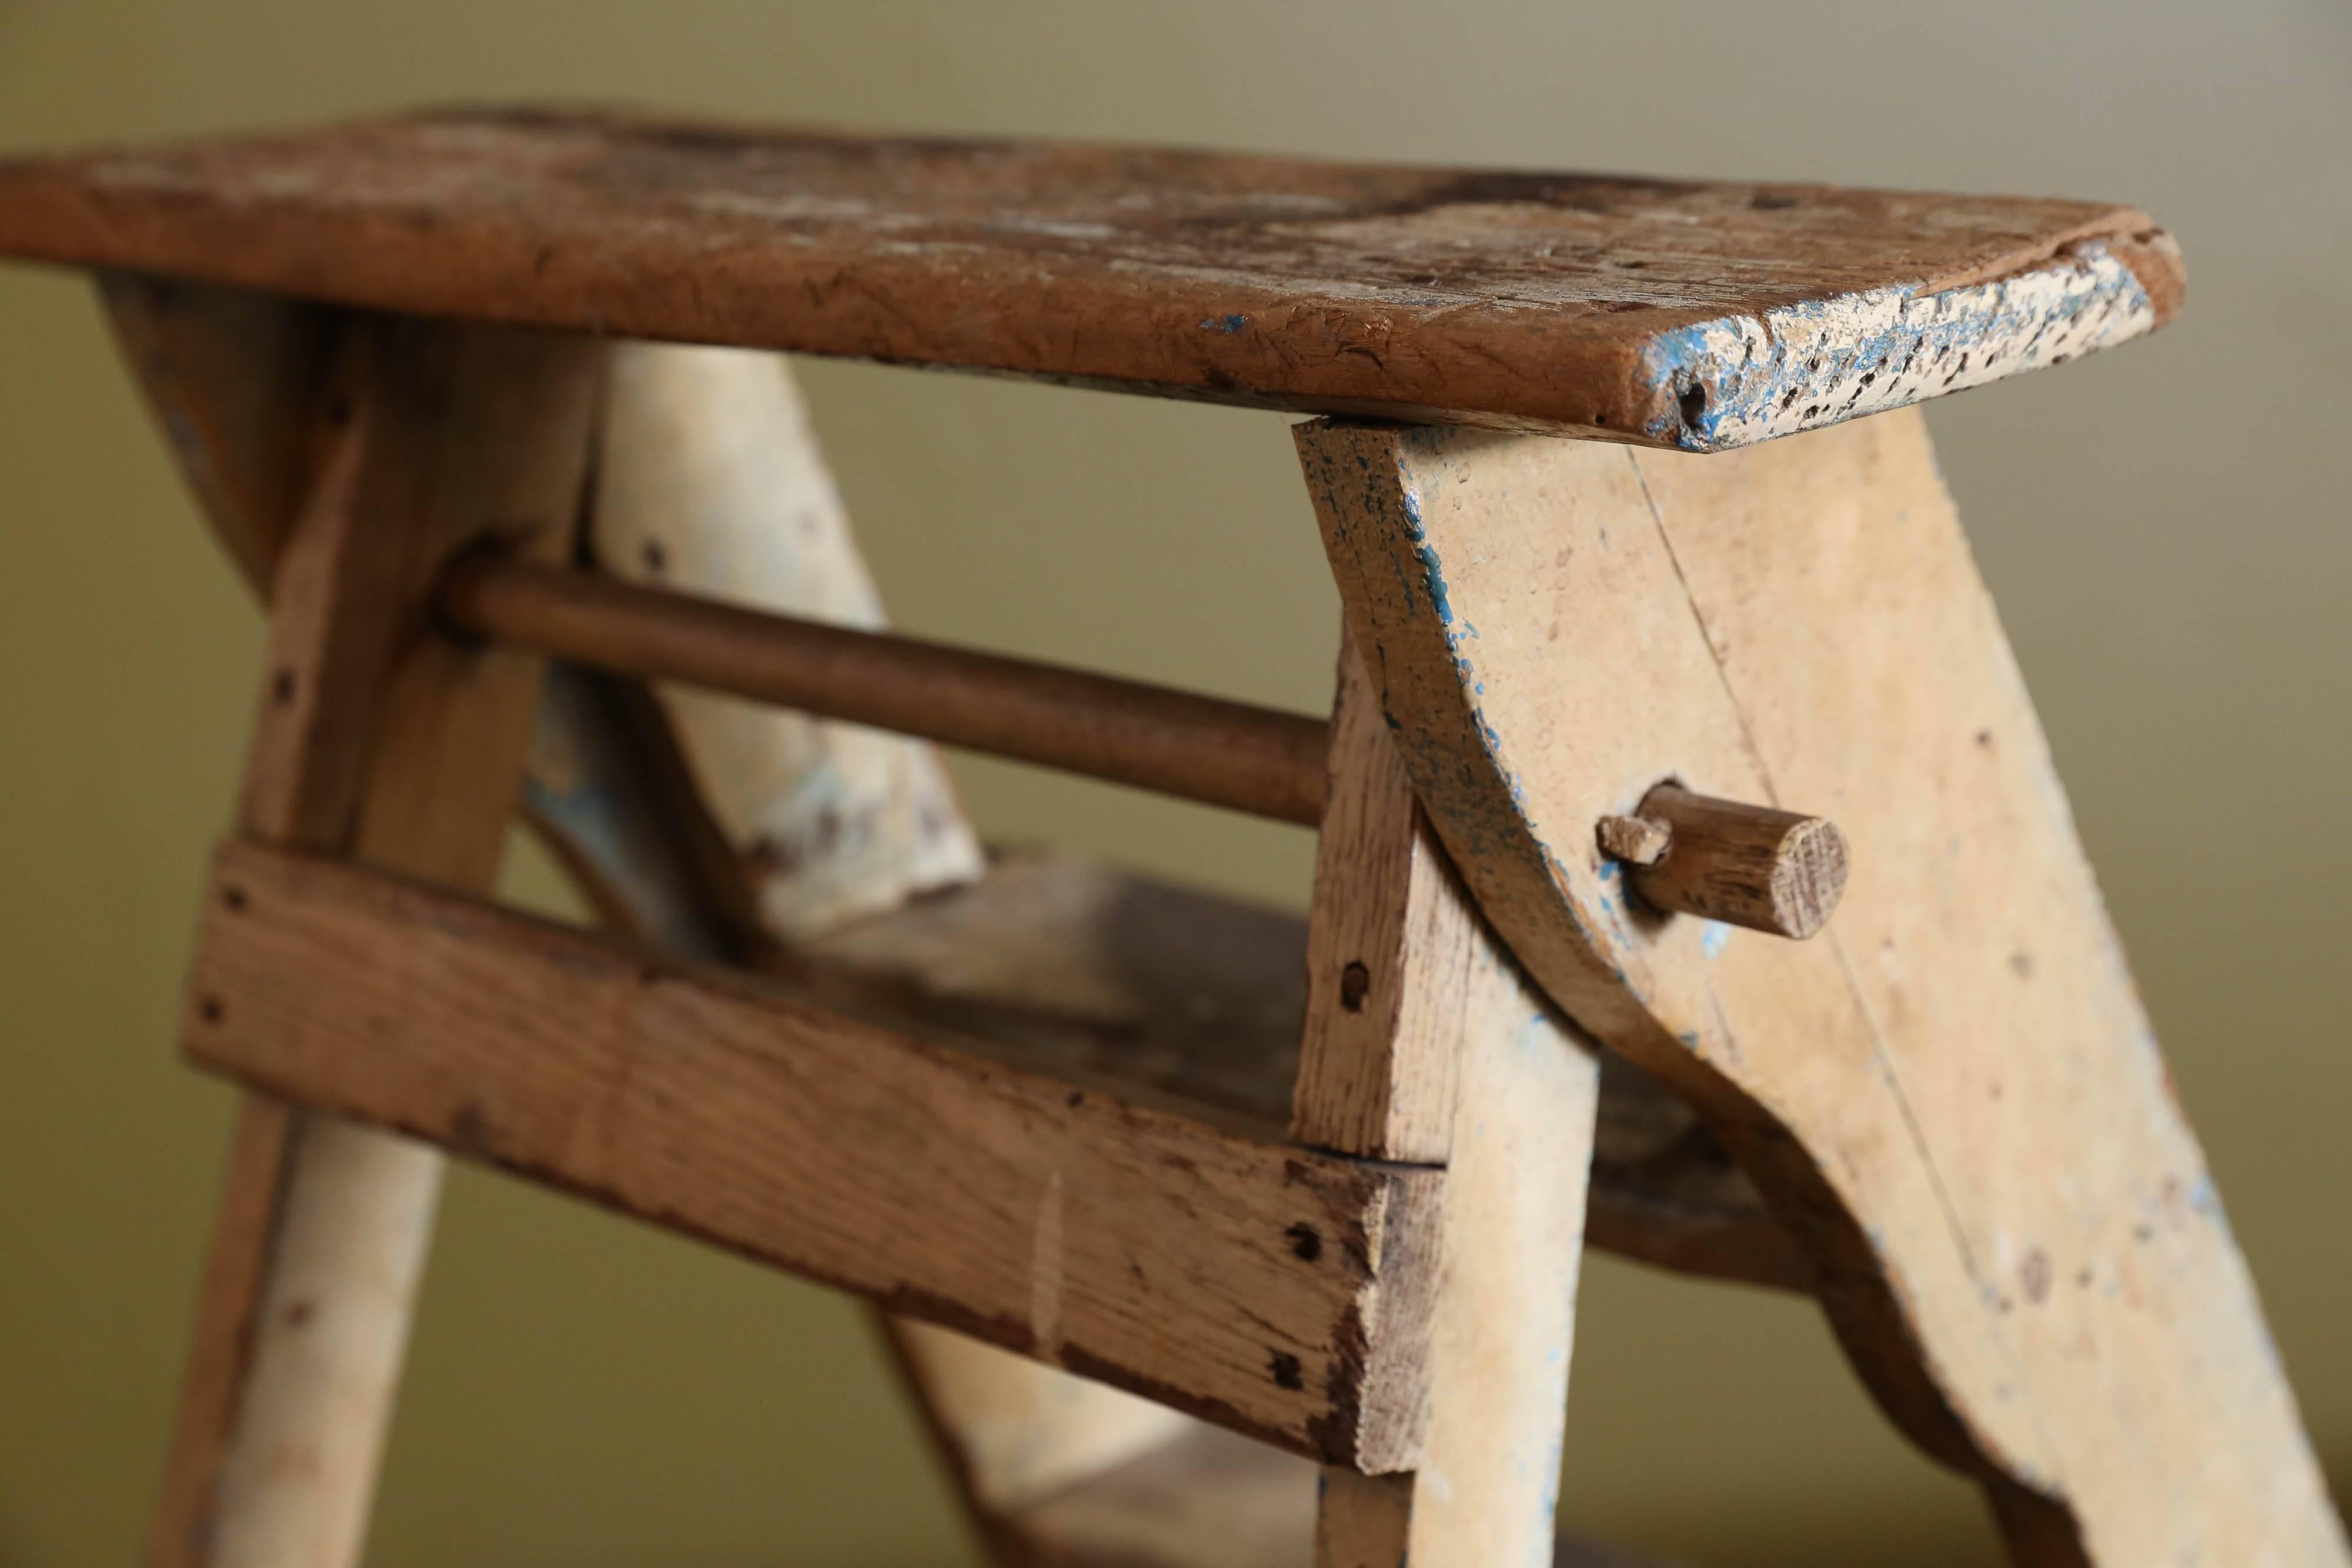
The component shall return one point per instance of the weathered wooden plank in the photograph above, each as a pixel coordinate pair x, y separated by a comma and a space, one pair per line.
1392, 943
1950, 1097
1460, 1060
1261, 1286
1483, 1487
400, 751
235, 381
1195, 1002
1701, 316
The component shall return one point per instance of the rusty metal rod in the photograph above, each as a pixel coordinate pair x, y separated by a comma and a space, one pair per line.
1254, 759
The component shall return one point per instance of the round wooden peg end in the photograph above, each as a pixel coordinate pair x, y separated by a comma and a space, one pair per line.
1746, 865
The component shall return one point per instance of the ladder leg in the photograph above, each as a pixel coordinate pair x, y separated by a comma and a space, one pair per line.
1950, 1096
402, 750
1425, 1042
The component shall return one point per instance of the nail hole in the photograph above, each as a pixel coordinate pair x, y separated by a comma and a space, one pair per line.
1355, 981
657, 559
1694, 403
210, 1009
282, 687
234, 896
1286, 1372
1306, 1242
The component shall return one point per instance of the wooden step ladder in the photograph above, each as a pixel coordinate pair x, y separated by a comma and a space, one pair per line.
1166, 1201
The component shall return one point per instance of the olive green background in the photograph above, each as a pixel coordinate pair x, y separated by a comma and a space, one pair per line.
2164, 528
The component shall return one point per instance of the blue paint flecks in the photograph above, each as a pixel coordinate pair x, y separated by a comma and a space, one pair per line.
1226, 324
1712, 937
1744, 378
1433, 577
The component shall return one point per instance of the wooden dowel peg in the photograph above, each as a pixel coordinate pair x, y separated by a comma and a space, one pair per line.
1724, 860
1253, 760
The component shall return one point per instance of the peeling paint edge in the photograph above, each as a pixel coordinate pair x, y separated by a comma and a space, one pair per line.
1747, 378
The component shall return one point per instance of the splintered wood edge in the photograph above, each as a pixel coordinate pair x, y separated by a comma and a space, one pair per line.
1691, 375
1744, 378
1270, 1290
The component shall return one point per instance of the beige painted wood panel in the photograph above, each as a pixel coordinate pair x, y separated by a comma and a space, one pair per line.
1950, 1097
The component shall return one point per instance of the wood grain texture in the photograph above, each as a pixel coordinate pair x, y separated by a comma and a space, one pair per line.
710, 482
236, 381
1700, 316
1195, 1002
1461, 1061
1482, 1494
1390, 946
1951, 1099
719, 488
1756, 866
377, 740
1148, 1249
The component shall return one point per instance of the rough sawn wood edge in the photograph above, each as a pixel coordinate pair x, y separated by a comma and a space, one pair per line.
1129, 1244
1696, 378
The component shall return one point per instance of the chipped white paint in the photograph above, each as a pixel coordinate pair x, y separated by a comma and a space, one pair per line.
712, 484
1743, 378
334, 1325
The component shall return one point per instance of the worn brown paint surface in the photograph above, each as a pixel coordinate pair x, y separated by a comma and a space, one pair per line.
1654, 311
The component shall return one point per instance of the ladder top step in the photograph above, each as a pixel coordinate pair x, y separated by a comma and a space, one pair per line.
1659, 312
